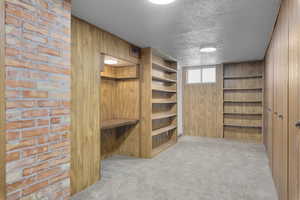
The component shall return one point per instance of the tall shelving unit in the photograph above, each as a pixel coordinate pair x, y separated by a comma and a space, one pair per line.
243, 101
159, 103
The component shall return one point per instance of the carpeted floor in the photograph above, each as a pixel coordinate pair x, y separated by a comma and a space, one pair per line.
194, 169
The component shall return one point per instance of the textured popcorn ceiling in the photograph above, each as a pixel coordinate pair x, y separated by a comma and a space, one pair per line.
240, 29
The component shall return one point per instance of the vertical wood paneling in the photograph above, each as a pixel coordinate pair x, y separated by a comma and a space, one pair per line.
146, 103
88, 44
2, 105
85, 137
203, 107
294, 102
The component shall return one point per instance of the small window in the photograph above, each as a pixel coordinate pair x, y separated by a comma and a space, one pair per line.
201, 75
194, 76
209, 75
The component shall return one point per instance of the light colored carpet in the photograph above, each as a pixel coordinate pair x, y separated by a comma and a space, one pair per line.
194, 169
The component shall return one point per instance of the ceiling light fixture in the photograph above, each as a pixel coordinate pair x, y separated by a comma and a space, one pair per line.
208, 49
162, 2
111, 62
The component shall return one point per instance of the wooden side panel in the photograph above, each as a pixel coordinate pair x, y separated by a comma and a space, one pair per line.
88, 44
85, 137
268, 106
2, 105
203, 107
146, 103
294, 102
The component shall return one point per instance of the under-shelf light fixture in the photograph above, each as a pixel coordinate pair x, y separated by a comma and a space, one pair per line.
110, 62
162, 2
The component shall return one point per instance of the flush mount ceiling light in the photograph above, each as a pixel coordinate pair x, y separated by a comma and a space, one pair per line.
162, 2
111, 62
208, 49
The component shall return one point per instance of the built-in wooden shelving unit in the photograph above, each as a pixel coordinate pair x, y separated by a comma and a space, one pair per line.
159, 103
243, 101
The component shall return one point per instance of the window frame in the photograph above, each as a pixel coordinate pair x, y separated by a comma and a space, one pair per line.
201, 74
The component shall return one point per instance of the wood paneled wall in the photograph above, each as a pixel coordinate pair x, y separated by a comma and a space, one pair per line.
282, 106
88, 42
203, 107
2, 105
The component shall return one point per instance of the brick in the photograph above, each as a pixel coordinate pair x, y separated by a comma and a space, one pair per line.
59, 145
12, 136
34, 38
35, 132
34, 151
48, 16
12, 20
49, 156
35, 188
60, 111
47, 103
42, 122
34, 113
20, 13
60, 129
59, 161
19, 64
48, 51
20, 84
35, 169
20, 184
35, 94
22, 5
20, 104
56, 70
11, 51
55, 120
35, 57
12, 156
12, 93
59, 178
42, 140
48, 173
21, 144
54, 138
35, 29
20, 124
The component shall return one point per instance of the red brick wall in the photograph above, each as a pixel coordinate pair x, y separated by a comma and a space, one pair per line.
37, 65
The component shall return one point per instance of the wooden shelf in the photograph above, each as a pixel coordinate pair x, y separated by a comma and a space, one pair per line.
115, 123
114, 78
163, 115
243, 77
255, 114
163, 67
232, 89
162, 147
163, 130
235, 101
163, 101
163, 89
242, 126
163, 79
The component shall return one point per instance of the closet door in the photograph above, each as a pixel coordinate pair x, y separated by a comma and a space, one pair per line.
280, 117
294, 101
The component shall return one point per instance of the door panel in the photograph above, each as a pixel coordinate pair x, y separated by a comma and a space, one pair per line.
294, 101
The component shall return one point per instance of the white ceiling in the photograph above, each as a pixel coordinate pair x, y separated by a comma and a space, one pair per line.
240, 29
